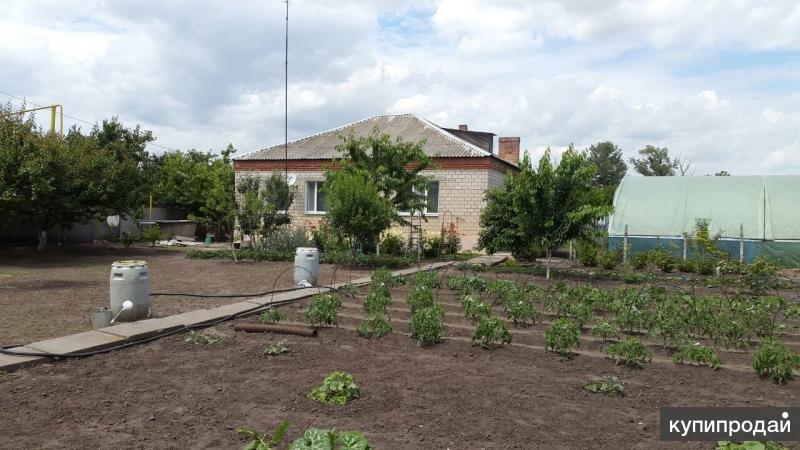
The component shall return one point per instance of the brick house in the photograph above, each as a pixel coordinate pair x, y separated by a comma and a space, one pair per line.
467, 164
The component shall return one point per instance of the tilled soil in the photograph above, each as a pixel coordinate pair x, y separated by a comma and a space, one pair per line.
50, 295
173, 394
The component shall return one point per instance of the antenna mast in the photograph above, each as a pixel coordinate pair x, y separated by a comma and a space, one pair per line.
286, 100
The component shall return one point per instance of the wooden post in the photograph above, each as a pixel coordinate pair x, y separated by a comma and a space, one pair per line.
571, 251
625, 246
741, 242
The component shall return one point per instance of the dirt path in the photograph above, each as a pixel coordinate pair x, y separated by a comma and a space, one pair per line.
50, 295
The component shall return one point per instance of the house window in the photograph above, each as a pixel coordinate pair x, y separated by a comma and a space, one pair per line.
315, 198
431, 207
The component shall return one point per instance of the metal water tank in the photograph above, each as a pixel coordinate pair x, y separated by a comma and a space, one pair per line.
130, 280
306, 266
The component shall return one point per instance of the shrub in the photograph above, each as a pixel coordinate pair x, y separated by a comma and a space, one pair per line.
127, 239
775, 360
520, 309
640, 260
377, 301
759, 277
420, 297
260, 441
337, 388
491, 330
605, 385
706, 266
152, 234
427, 325
629, 351
587, 253
666, 262
687, 266
696, 354
374, 326
392, 244
474, 307
605, 330
431, 245
562, 337
466, 282
426, 278
285, 239
324, 309
278, 348
196, 338
608, 260
271, 315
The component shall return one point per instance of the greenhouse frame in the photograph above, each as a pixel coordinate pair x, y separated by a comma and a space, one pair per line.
759, 215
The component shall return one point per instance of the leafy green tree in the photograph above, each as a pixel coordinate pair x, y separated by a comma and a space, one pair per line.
607, 158
556, 203
500, 225
393, 165
263, 208
356, 207
722, 173
654, 161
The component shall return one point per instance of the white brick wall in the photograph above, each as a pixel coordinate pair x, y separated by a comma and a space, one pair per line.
461, 199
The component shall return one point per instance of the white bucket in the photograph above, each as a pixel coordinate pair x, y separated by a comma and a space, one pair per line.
130, 280
306, 266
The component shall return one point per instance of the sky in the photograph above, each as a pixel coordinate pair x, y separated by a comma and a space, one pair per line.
716, 82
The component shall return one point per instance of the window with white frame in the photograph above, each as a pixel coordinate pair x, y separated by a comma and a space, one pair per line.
431, 207
315, 198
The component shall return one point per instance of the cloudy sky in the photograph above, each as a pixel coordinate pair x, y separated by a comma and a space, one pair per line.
714, 81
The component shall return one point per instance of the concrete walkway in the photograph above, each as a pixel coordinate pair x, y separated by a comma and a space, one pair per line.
135, 331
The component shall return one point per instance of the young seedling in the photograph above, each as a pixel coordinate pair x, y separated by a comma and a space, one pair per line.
337, 388
318, 439
260, 441
278, 348
607, 385
629, 351
196, 338
695, 353
271, 315
491, 331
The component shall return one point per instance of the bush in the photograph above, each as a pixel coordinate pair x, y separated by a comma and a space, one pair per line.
152, 234
775, 360
431, 245
629, 351
427, 325
587, 253
286, 240
608, 260
640, 260
562, 337
451, 244
420, 297
365, 261
686, 266
759, 276
491, 331
271, 315
338, 388
706, 266
374, 326
127, 239
392, 244
327, 240
324, 309
696, 354
665, 262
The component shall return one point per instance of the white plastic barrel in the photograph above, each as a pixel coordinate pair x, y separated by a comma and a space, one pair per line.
130, 280
306, 266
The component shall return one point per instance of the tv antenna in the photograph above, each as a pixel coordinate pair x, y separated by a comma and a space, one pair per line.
286, 100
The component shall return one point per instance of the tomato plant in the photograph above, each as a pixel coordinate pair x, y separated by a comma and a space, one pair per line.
427, 325
562, 337
324, 309
491, 331
420, 296
775, 360
374, 326
271, 315
605, 330
696, 353
520, 309
377, 301
474, 307
426, 278
629, 351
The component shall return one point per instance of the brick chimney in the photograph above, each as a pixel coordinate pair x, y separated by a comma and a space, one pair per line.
509, 149
462, 127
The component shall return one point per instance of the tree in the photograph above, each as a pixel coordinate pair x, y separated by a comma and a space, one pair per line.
722, 173
262, 209
610, 167
654, 162
607, 158
356, 206
393, 165
555, 204
500, 225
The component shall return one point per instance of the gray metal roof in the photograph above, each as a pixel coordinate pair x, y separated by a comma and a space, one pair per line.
438, 141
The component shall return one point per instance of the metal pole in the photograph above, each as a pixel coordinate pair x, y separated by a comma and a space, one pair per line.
286, 99
741, 242
53, 119
625, 246
685, 247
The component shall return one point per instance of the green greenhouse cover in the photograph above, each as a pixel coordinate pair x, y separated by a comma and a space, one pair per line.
768, 207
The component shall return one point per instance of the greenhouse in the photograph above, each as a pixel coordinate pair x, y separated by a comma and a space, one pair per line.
758, 214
